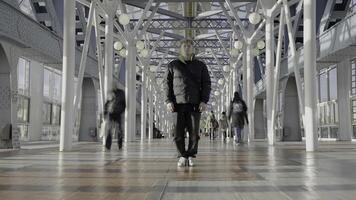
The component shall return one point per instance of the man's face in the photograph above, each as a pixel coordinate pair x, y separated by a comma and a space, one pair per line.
186, 50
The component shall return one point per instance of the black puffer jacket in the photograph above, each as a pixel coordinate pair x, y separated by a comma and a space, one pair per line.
187, 82
116, 106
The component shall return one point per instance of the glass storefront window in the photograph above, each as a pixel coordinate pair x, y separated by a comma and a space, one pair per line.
23, 104
23, 76
57, 85
333, 83
46, 83
323, 85
353, 77
56, 113
46, 113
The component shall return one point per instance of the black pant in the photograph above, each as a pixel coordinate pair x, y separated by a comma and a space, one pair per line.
212, 133
114, 128
186, 121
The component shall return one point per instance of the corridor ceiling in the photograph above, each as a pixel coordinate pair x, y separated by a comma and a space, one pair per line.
203, 20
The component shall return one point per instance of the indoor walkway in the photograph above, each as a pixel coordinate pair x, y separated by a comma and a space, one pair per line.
149, 171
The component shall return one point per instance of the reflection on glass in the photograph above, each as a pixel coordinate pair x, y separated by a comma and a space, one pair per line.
323, 84
46, 113
333, 83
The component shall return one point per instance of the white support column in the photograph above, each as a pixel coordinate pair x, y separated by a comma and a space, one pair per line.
150, 110
269, 75
108, 61
130, 114
344, 101
66, 131
100, 59
250, 95
244, 75
36, 95
234, 78
83, 60
310, 126
144, 103
109, 53
293, 51
276, 78
222, 101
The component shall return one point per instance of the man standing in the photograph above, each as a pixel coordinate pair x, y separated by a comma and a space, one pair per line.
187, 89
113, 109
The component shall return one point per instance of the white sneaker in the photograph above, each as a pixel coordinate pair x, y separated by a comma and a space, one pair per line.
181, 162
190, 162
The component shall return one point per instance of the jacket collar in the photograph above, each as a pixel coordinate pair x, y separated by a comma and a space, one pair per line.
181, 58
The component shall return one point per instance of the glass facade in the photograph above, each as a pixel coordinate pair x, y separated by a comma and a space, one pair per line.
328, 105
51, 108
23, 100
353, 96
353, 77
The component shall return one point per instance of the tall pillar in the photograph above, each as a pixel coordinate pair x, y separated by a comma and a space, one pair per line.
343, 99
110, 8
244, 88
66, 129
250, 96
109, 53
269, 76
150, 110
36, 90
130, 114
244, 75
310, 126
144, 104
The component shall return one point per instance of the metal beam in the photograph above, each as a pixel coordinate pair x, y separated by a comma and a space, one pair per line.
174, 24
159, 11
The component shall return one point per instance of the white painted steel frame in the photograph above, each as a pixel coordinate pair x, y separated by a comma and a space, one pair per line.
66, 128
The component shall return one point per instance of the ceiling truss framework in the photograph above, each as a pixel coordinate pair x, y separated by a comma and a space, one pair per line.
176, 24
198, 44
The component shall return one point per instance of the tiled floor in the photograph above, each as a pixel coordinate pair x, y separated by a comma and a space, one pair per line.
149, 171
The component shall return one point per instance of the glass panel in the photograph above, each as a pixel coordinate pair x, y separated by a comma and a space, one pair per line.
324, 132
23, 109
46, 83
19, 109
46, 113
56, 111
333, 83
57, 87
331, 108
322, 115
327, 114
23, 76
334, 132
336, 112
23, 128
353, 77
323, 85
26, 105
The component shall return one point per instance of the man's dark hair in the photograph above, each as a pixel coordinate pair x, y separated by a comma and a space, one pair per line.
236, 97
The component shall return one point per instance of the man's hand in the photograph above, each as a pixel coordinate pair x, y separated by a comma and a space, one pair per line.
202, 107
170, 107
